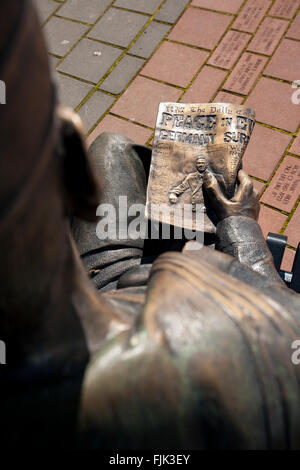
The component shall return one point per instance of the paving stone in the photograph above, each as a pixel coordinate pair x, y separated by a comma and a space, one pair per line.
174, 63
205, 86
149, 39
224, 97
264, 151
258, 186
87, 11
62, 34
140, 101
171, 10
118, 27
251, 15
294, 31
284, 189
94, 109
229, 49
284, 8
45, 8
270, 220
145, 6
292, 231
295, 148
245, 73
230, 6
121, 75
288, 260
137, 134
71, 91
200, 28
90, 60
272, 103
285, 63
268, 36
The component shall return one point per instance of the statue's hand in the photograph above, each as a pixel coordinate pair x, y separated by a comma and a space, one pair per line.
244, 203
173, 198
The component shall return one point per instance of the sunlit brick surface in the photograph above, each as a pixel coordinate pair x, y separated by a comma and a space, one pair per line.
114, 61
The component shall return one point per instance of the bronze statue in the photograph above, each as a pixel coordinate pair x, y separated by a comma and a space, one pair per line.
174, 350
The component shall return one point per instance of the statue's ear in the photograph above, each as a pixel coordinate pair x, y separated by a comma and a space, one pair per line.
82, 190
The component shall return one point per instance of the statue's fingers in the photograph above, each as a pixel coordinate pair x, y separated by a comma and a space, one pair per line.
245, 188
212, 188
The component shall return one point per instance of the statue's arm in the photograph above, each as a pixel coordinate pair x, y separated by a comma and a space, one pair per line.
180, 188
238, 233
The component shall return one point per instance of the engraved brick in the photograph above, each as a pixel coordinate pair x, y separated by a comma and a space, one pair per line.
87, 11
89, 60
264, 151
230, 6
295, 148
224, 97
251, 15
285, 63
109, 123
288, 260
62, 34
284, 8
121, 75
284, 189
71, 91
94, 109
149, 39
118, 27
270, 220
171, 10
294, 31
268, 36
174, 63
292, 231
205, 86
273, 105
245, 73
140, 101
200, 28
145, 6
229, 49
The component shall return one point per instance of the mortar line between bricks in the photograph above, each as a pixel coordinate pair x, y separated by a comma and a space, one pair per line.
73, 20
290, 216
291, 22
157, 80
192, 46
83, 80
225, 13
43, 23
130, 121
115, 65
269, 206
115, 7
106, 43
275, 170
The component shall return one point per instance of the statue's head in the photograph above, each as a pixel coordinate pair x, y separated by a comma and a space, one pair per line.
201, 163
45, 173
37, 138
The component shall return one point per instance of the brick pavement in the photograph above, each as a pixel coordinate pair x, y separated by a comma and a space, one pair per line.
114, 61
